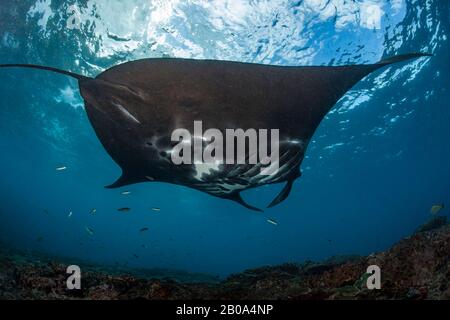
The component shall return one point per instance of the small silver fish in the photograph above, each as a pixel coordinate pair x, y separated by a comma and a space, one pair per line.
93, 211
125, 193
156, 209
436, 208
272, 222
61, 168
90, 231
70, 214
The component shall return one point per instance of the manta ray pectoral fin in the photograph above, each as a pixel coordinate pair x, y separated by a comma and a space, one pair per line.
284, 193
237, 198
124, 179
402, 57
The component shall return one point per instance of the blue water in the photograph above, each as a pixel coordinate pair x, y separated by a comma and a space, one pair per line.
376, 165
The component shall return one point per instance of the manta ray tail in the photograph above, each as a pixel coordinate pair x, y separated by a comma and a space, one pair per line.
401, 57
33, 66
237, 197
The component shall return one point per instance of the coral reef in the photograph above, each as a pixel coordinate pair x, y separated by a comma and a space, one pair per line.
417, 267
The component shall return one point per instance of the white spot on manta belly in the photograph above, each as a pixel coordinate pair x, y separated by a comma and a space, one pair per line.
297, 142
126, 113
205, 168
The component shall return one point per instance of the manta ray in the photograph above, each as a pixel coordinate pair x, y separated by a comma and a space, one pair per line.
135, 106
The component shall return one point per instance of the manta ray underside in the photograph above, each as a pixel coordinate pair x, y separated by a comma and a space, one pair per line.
134, 108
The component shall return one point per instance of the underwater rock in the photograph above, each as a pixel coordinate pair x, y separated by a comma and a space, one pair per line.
434, 223
417, 267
